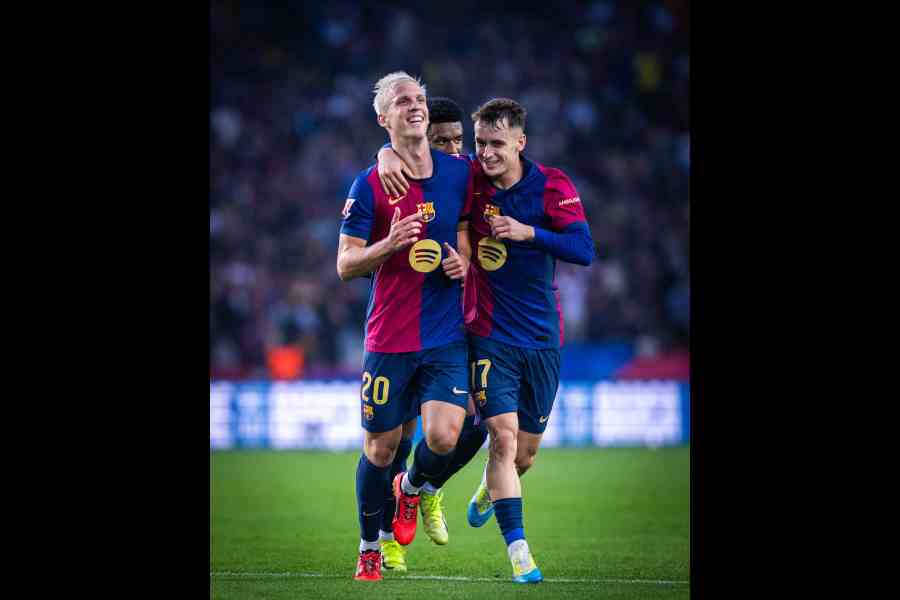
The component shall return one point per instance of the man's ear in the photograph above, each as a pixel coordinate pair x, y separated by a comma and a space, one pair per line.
520, 144
382, 120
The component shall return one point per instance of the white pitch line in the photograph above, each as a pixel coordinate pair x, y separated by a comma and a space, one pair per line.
453, 578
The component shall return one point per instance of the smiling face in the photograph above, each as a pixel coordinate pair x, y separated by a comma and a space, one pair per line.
407, 111
497, 147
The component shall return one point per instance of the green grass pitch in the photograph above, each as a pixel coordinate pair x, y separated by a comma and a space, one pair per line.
601, 523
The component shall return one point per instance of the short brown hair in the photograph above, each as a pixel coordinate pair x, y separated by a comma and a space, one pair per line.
494, 111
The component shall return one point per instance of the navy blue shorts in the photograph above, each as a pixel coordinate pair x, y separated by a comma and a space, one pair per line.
511, 379
394, 384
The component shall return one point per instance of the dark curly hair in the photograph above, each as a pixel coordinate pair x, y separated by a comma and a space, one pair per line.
444, 110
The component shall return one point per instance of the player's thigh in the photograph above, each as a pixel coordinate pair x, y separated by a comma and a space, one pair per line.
385, 393
442, 386
538, 391
496, 375
442, 375
442, 422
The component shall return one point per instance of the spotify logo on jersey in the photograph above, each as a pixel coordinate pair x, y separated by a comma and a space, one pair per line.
491, 254
425, 256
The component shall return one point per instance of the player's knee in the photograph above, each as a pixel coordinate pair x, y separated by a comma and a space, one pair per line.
441, 436
442, 440
380, 455
503, 444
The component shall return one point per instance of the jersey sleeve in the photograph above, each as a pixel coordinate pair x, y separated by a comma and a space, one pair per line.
359, 210
561, 202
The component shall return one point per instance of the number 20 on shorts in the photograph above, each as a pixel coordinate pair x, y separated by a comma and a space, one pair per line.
379, 390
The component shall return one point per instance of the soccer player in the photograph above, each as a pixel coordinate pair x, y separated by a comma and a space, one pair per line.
525, 216
444, 133
415, 338
445, 129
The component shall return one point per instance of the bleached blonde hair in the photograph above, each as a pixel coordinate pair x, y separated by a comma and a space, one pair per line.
386, 85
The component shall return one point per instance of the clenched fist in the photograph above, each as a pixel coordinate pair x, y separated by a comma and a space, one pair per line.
509, 228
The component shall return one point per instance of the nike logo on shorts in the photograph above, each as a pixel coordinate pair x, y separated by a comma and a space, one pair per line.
542, 420
459, 391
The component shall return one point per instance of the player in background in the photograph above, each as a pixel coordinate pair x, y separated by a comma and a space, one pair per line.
525, 216
445, 133
415, 338
445, 128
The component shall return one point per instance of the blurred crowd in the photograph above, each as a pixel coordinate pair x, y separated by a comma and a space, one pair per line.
606, 87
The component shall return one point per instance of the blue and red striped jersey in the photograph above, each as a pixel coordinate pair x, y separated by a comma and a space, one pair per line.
515, 290
412, 304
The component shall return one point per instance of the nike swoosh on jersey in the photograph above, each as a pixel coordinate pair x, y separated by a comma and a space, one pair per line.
542, 419
459, 391
392, 202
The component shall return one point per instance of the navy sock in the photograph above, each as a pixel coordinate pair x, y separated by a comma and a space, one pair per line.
427, 464
371, 482
471, 439
509, 517
398, 466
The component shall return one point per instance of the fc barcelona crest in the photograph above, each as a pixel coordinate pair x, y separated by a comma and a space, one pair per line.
427, 210
491, 211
